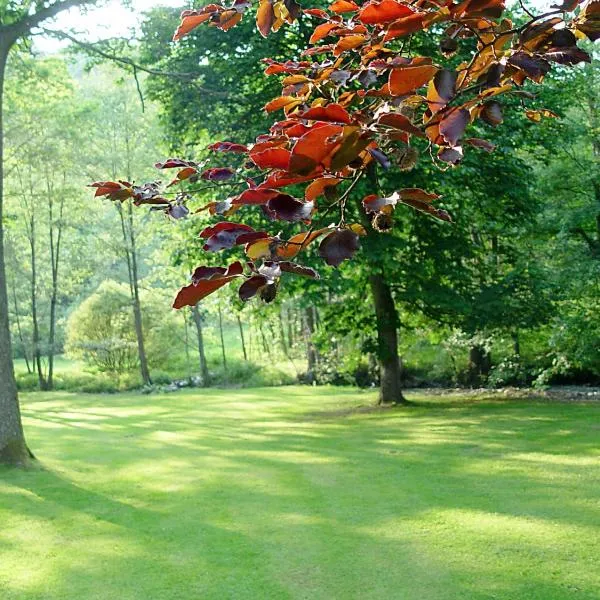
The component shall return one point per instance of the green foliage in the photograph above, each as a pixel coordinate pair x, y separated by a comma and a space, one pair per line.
101, 331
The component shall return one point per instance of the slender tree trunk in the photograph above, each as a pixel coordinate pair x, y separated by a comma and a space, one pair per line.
202, 356
222, 337
37, 354
20, 330
311, 353
13, 450
284, 344
55, 262
132, 271
137, 309
240, 325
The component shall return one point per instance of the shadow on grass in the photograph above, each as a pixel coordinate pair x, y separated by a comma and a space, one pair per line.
253, 495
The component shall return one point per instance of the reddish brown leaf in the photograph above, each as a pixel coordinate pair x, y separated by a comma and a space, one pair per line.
313, 148
331, 113
218, 174
377, 12
343, 6
228, 147
205, 281
491, 113
291, 267
398, 121
405, 25
338, 246
252, 286
406, 80
272, 158
317, 187
265, 17
288, 208
454, 124
441, 89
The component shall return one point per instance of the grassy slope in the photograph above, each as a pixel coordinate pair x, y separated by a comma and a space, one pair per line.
273, 493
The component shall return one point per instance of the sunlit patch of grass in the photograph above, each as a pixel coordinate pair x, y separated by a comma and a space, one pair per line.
302, 493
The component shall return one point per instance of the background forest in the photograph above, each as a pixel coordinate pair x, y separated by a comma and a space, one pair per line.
508, 294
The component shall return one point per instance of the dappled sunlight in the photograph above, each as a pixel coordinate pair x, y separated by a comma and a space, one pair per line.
273, 498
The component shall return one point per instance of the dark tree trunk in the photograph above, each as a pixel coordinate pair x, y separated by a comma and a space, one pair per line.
13, 450
201, 355
390, 387
480, 364
241, 326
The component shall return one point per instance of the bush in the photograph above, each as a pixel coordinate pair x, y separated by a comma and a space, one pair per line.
241, 373
101, 331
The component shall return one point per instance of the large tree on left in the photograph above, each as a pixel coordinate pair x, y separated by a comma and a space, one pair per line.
17, 20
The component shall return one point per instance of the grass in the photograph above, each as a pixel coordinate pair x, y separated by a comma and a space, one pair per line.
296, 493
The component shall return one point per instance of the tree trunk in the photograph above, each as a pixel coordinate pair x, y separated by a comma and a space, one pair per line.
202, 356
311, 352
137, 309
13, 450
480, 364
131, 259
390, 387
222, 338
242, 337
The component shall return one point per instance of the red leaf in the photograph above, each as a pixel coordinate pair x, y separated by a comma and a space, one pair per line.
317, 187
343, 6
206, 280
313, 148
404, 26
218, 174
406, 80
113, 190
272, 158
332, 113
322, 31
228, 147
377, 12
398, 121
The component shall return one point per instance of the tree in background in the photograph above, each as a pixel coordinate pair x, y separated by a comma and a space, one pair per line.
346, 118
17, 20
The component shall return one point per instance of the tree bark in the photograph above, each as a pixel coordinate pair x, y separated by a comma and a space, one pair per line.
13, 450
480, 364
311, 352
390, 386
202, 356
222, 338
240, 325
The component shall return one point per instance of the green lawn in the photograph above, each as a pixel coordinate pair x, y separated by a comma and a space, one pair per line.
284, 493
